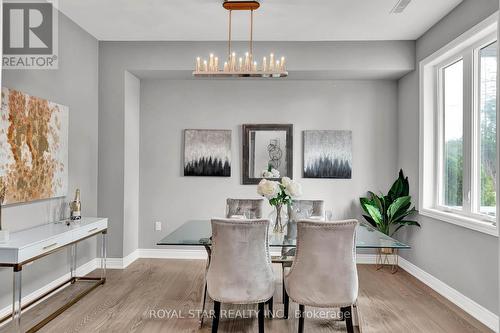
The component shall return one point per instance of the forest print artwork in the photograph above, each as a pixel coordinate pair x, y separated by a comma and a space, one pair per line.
328, 154
207, 153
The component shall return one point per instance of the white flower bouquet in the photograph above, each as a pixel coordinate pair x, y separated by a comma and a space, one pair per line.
279, 194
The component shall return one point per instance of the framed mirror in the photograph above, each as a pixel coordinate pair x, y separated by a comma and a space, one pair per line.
267, 147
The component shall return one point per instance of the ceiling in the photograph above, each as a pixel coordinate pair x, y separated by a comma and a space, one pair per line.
283, 20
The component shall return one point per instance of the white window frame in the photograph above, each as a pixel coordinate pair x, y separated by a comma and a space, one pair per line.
431, 128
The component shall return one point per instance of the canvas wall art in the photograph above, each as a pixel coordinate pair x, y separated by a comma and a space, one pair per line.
33, 147
207, 153
328, 154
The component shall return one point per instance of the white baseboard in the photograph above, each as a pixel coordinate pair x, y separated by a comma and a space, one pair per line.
122, 263
173, 253
477, 311
80, 271
367, 259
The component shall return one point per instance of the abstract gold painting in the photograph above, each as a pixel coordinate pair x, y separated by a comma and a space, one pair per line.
33, 147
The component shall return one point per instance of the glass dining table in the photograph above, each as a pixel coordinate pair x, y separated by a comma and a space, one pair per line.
198, 233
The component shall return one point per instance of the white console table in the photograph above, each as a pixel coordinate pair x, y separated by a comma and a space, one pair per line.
28, 245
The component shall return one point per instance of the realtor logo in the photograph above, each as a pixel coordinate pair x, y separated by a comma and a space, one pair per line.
29, 35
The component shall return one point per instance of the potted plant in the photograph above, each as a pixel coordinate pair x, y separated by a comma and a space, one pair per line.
389, 213
279, 194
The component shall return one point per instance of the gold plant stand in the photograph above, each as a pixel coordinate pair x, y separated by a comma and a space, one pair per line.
387, 257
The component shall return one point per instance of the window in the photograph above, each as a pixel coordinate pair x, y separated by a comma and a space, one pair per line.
458, 130
487, 129
453, 158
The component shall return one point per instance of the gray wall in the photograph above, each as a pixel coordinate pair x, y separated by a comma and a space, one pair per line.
131, 165
466, 260
388, 59
74, 84
368, 108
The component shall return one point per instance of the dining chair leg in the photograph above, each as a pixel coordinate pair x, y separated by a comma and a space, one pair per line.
270, 305
301, 318
215, 321
261, 317
347, 316
203, 305
285, 303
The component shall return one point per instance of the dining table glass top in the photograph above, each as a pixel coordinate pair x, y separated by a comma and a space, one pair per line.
198, 232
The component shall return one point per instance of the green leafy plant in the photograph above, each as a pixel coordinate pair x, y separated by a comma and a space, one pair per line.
389, 213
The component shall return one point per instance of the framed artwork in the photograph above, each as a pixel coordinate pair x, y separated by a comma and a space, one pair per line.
33, 147
267, 147
207, 153
328, 154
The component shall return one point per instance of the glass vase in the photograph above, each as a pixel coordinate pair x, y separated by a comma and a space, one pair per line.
278, 224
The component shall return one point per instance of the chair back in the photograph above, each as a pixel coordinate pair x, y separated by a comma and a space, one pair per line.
250, 208
304, 209
324, 272
240, 269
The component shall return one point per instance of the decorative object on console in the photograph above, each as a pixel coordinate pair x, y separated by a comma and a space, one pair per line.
267, 147
279, 194
389, 213
4, 234
241, 67
207, 153
328, 154
76, 207
33, 147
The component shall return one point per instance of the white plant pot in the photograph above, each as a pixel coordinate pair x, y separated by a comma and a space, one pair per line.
4, 236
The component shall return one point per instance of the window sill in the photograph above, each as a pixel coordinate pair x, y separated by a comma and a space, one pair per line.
463, 221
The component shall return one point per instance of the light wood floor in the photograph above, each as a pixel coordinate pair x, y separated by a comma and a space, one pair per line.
387, 303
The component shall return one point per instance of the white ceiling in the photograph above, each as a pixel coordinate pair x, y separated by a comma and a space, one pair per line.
287, 20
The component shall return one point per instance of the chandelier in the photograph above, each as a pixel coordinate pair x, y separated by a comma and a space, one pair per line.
239, 66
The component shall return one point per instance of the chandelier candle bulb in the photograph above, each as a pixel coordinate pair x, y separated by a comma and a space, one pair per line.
216, 64
225, 66
247, 61
198, 64
205, 66
211, 62
271, 62
282, 63
240, 67
264, 64
233, 62
254, 68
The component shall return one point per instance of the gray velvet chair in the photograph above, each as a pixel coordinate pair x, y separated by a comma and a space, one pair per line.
299, 210
303, 209
240, 269
242, 207
324, 272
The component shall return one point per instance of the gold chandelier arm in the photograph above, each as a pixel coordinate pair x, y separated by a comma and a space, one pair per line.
229, 38
251, 34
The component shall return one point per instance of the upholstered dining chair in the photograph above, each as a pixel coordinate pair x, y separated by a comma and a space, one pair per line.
304, 209
298, 210
249, 208
240, 269
324, 272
